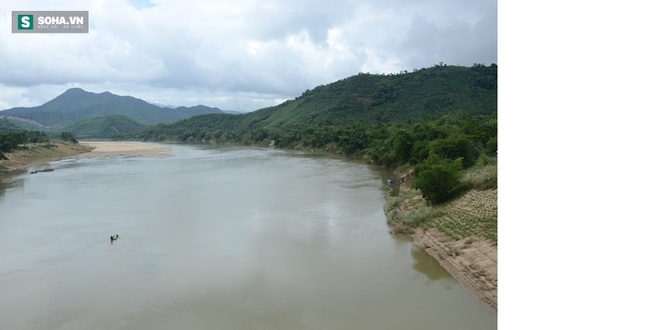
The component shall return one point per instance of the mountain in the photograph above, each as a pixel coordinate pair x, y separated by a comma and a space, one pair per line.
76, 104
361, 99
417, 95
104, 127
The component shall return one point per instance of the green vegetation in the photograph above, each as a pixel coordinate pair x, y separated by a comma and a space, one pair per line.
439, 179
106, 127
68, 137
10, 141
16, 140
472, 214
439, 122
7, 126
442, 120
357, 102
483, 175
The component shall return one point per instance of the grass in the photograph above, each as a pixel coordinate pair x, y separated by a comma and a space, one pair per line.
392, 203
481, 177
422, 217
474, 214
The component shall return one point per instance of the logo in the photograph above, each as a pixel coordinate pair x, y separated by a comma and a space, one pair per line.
50, 21
25, 22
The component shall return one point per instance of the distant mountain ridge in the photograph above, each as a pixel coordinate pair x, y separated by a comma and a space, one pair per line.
77, 104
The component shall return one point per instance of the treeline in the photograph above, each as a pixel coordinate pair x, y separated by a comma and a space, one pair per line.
442, 120
10, 141
440, 149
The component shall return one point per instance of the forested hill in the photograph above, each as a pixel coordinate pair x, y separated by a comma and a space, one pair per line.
364, 98
6, 126
412, 96
76, 104
105, 127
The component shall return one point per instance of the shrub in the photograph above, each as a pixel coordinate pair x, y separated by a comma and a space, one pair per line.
439, 179
481, 177
454, 148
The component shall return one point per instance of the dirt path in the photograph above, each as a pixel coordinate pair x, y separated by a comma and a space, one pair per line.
466, 244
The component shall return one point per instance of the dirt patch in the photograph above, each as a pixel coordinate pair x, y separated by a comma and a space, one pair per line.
461, 235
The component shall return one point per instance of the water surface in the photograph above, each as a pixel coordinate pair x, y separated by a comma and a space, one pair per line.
216, 238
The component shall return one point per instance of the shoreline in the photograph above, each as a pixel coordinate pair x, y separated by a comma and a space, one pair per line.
111, 148
38, 154
471, 260
439, 246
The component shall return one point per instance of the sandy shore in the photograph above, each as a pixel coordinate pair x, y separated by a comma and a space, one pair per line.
125, 148
35, 154
472, 260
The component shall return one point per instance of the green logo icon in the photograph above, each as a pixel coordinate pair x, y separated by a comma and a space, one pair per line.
25, 22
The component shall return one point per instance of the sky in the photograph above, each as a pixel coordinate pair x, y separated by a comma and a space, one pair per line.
236, 55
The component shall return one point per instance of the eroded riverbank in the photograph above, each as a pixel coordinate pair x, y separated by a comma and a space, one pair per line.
472, 260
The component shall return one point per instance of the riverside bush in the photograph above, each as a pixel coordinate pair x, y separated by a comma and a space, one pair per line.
439, 179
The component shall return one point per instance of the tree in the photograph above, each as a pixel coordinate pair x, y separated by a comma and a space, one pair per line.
402, 144
454, 148
68, 136
439, 179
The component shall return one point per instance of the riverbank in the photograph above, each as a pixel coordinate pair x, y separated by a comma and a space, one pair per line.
458, 234
34, 154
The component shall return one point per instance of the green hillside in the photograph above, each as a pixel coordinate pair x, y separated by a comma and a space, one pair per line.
419, 95
105, 127
7, 126
362, 99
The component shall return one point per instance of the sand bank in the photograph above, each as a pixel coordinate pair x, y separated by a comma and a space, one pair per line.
101, 148
34, 154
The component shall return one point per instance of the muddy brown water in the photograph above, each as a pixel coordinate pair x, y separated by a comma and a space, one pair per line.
216, 238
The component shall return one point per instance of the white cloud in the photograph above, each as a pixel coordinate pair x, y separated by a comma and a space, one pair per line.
237, 54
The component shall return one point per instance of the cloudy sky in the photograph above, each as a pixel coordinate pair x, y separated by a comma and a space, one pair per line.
236, 55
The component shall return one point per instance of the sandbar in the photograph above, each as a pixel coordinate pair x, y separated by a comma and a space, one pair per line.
104, 148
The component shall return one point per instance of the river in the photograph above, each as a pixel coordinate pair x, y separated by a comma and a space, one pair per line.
216, 238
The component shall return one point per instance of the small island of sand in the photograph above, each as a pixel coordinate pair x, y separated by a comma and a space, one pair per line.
125, 148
